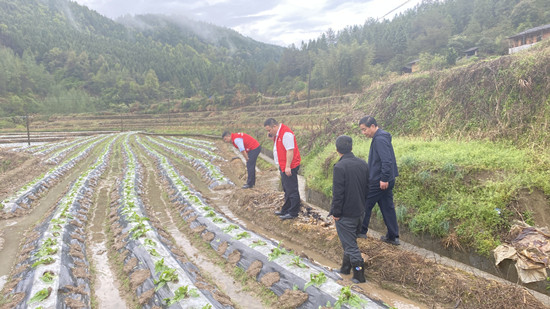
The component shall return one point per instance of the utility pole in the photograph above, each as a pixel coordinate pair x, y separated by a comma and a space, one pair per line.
28, 131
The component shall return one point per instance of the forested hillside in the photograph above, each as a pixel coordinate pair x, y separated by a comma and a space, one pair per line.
59, 57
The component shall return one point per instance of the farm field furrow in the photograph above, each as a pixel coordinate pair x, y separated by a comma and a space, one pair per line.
154, 221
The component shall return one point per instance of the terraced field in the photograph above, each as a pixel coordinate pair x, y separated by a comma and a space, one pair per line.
126, 220
118, 210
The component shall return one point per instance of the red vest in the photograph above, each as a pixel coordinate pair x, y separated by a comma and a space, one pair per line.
249, 142
281, 150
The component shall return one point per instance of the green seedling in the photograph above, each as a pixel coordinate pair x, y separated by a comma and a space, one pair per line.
180, 294
316, 279
207, 208
166, 276
136, 218
45, 251
49, 242
40, 295
258, 243
276, 252
348, 298
45, 261
207, 306
154, 252
58, 221
160, 267
242, 235
229, 228
47, 277
296, 261
218, 220
150, 242
139, 230
210, 214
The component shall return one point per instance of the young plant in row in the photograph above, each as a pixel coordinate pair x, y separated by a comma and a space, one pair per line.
349, 299
242, 235
316, 279
257, 243
297, 261
277, 252
167, 274
180, 294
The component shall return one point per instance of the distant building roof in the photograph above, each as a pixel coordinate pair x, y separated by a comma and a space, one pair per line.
471, 49
528, 31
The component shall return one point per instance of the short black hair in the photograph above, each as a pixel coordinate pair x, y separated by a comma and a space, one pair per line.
225, 133
368, 121
344, 144
270, 122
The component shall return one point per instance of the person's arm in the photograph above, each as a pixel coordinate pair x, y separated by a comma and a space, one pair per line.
288, 143
289, 157
383, 148
240, 145
338, 192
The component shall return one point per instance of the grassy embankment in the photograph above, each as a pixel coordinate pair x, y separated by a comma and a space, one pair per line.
469, 141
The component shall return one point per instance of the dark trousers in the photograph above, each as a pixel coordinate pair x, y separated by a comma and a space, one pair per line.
347, 229
292, 193
251, 166
384, 198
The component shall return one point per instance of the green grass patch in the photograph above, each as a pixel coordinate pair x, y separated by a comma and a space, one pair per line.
451, 187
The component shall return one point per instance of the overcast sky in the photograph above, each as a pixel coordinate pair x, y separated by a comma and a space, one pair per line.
280, 22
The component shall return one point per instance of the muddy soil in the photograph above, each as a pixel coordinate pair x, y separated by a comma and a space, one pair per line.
395, 276
392, 272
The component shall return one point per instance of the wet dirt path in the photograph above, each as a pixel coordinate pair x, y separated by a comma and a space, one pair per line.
158, 201
271, 180
106, 286
374, 290
13, 229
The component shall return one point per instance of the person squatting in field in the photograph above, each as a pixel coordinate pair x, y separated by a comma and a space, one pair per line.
250, 149
287, 155
350, 185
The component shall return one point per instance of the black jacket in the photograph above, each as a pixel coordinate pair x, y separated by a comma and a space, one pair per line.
349, 186
382, 164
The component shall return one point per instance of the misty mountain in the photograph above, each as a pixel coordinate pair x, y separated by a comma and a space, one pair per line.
139, 59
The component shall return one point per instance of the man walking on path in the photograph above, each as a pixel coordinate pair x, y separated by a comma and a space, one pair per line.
350, 185
382, 173
250, 148
287, 155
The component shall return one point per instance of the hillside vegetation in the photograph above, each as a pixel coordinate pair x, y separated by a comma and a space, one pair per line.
60, 57
471, 144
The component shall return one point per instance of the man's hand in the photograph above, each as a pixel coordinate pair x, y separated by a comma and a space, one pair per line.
336, 218
288, 171
383, 185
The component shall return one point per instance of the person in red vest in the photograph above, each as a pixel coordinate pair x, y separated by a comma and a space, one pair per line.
250, 148
287, 155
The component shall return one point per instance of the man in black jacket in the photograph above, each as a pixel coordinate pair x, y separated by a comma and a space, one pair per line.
382, 173
349, 191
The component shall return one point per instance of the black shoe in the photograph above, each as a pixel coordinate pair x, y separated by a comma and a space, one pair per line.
358, 273
247, 186
287, 216
280, 213
361, 235
346, 265
394, 242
